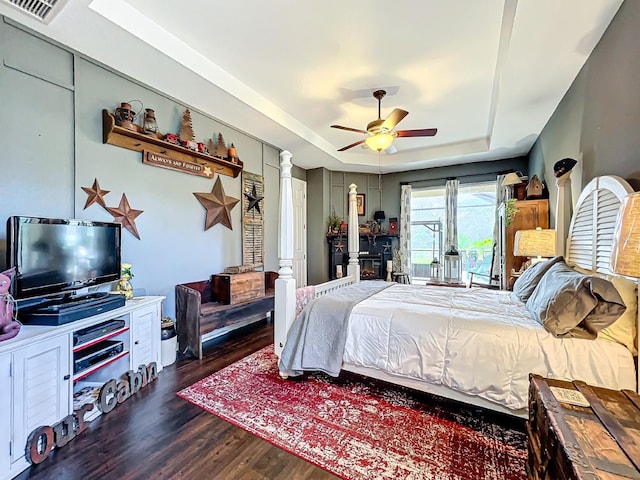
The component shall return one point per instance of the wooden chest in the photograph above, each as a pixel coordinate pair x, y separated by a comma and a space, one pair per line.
569, 440
231, 289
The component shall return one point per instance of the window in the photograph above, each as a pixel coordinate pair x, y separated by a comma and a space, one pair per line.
476, 218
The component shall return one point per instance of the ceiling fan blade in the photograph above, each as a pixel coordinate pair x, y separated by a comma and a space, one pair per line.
352, 145
393, 119
423, 132
348, 129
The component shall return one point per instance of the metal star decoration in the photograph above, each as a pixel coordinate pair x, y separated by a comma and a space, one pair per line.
218, 206
95, 194
254, 199
386, 247
339, 246
126, 215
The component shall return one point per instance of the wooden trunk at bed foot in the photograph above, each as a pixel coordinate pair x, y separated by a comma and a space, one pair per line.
570, 442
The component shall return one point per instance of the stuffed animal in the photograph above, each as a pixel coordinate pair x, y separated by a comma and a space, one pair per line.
9, 327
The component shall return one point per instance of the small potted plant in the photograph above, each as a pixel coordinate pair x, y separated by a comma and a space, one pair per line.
334, 222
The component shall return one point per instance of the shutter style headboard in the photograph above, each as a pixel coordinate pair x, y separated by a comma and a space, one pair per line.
591, 231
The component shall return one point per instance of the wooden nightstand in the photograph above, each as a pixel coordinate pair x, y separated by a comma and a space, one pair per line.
571, 441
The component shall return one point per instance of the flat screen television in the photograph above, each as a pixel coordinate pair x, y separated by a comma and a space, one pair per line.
55, 256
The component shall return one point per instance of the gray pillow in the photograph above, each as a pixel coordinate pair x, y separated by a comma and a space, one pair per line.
570, 304
528, 281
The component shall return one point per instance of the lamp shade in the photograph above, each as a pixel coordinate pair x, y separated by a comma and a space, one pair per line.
535, 243
511, 179
379, 141
625, 255
379, 215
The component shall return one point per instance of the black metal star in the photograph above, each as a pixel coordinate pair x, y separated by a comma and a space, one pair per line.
386, 247
254, 199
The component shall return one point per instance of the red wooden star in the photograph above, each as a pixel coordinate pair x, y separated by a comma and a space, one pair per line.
218, 206
95, 194
126, 215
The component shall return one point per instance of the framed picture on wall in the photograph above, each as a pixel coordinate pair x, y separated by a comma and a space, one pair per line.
360, 199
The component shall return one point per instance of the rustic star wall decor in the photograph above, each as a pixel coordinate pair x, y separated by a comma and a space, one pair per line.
339, 246
95, 195
126, 215
254, 199
218, 206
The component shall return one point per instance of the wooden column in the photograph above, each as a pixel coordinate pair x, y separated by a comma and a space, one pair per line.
353, 269
563, 212
285, 301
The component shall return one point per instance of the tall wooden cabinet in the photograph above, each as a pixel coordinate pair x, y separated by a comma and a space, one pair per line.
530, 214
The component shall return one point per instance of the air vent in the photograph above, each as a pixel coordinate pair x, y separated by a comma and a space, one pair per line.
44, 10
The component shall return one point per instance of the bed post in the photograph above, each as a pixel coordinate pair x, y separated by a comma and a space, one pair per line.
285, 295
353, 269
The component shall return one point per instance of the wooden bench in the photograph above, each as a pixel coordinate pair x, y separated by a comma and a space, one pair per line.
200, 317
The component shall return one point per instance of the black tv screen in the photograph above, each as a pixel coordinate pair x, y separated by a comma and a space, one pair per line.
54, 256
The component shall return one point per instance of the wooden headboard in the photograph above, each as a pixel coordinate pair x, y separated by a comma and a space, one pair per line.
590, 237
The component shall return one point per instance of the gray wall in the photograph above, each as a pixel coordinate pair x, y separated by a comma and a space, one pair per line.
51, 133
598, 120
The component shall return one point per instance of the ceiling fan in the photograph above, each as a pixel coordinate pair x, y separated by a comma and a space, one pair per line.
381, 133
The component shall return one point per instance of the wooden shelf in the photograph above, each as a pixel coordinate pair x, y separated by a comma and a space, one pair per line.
138, 142
109, 335
99, 365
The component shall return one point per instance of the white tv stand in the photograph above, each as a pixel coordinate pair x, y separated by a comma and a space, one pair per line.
37, 367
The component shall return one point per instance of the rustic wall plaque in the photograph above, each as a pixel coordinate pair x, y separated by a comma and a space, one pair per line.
185, 166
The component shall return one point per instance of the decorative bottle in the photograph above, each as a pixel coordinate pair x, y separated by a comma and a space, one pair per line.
125, 287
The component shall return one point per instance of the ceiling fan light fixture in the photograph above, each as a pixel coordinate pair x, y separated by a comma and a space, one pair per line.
379, 141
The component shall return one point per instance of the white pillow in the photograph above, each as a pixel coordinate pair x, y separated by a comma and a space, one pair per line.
625, 329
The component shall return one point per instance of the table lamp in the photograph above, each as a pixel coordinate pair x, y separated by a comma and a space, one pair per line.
537, 244
625, 254
378, 216
509, 181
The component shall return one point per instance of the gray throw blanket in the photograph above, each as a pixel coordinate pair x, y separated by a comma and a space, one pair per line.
317, 337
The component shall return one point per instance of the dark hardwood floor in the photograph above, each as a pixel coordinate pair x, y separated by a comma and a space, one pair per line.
156, 435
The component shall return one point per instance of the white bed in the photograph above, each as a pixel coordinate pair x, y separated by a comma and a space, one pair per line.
473, 345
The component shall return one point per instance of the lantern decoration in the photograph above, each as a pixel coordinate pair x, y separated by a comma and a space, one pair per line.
452, 270
434, 270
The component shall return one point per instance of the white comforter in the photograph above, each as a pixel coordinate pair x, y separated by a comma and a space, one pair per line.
477, 341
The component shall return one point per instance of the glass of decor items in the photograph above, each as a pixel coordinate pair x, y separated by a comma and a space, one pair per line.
124, 285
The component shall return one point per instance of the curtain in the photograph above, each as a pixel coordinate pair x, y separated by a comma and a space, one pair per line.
405, 229
451, 214
501, 197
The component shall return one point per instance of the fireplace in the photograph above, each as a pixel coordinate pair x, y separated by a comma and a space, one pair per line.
374, 253
371, 266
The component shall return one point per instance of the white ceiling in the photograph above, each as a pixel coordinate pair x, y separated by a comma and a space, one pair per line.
488, 74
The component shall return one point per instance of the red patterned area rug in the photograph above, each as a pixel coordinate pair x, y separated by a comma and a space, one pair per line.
358, 428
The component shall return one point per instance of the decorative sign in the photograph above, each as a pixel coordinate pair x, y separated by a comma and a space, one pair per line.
42, 440
185, 166
252, 219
